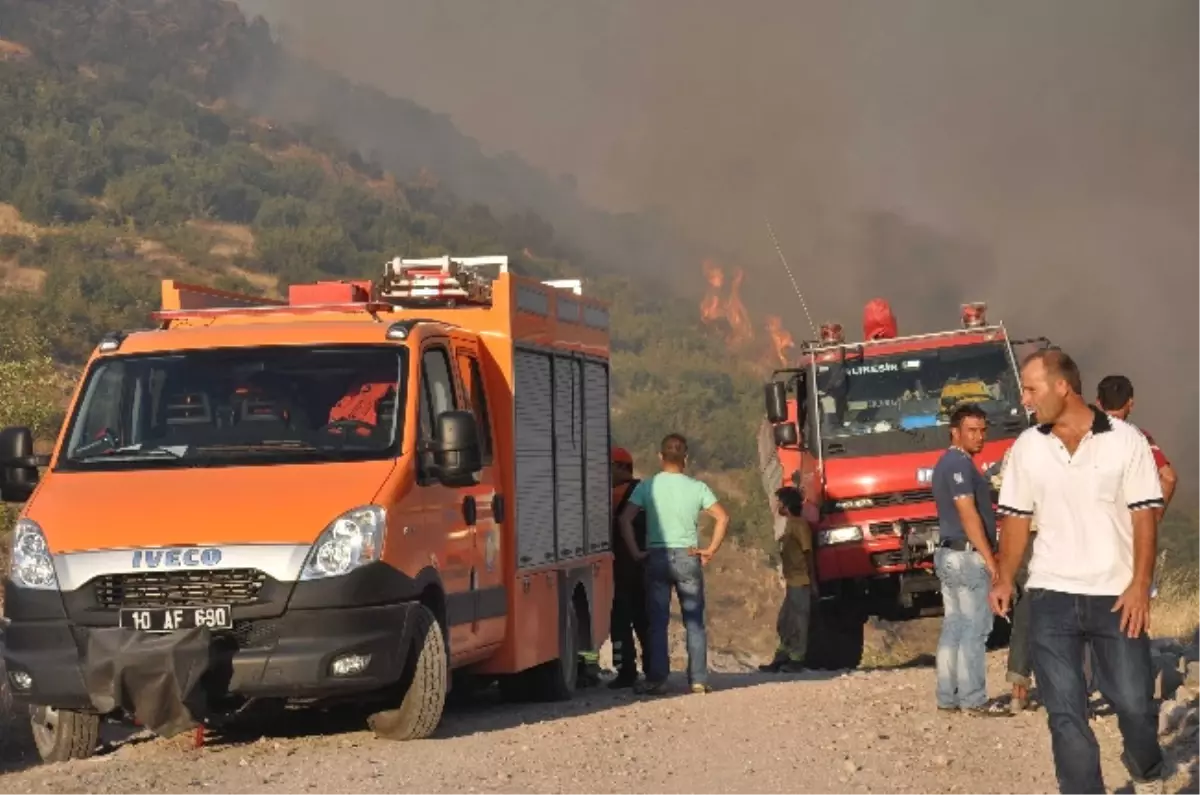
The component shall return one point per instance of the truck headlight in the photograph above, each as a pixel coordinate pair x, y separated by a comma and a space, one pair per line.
353, 539
838, 535
32, 566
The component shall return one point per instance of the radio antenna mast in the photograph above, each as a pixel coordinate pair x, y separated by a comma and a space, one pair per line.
795, 286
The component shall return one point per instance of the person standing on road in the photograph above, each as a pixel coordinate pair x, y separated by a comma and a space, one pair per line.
800, 580
629, 591
965, 564
1020, 668
1090, 483
673, 503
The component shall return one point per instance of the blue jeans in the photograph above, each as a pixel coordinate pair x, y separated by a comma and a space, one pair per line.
1060, 626
667, 569
962, 647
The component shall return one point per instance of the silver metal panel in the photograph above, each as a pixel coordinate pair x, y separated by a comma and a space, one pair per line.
531, 299
568, 438
534, 413
598, 471
279, 561
595, 317
568, 309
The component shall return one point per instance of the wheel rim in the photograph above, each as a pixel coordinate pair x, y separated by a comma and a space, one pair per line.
44, 722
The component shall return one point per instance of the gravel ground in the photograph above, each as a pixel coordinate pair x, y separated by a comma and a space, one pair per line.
868, 731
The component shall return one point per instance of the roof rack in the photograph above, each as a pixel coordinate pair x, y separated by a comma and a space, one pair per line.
439, 281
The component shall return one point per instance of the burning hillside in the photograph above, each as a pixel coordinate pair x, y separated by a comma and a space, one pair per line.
724, 310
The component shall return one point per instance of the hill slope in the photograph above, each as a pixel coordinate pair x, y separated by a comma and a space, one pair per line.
126, 158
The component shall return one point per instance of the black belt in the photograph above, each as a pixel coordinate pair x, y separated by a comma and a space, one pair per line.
958, 545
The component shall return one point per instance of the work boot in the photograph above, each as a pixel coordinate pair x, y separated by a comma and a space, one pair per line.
773, 667
792, 667
624, 679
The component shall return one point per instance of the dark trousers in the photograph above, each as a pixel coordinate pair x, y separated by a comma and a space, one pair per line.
1019, 665
1060, 626
629, 617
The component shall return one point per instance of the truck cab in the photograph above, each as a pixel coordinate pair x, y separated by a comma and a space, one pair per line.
347, 496
859, 427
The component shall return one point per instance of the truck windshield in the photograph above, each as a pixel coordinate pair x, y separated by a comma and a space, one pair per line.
239, 406
907, 398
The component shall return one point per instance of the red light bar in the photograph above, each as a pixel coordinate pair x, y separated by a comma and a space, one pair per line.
832, 332
974, 314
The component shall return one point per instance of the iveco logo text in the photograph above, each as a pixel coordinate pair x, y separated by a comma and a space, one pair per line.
174, 558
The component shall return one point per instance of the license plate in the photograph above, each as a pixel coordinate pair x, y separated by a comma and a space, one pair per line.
169, 619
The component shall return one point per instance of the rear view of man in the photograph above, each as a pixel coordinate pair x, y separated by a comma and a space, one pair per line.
629, 591
1114, 395
965, 564
673, 503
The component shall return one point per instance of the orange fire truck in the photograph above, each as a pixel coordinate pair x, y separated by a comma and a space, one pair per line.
858, 427
348, 495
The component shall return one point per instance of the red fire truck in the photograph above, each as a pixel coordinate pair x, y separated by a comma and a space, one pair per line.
858, 426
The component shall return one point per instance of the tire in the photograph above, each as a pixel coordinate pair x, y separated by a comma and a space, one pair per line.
556, 680
423, 683
60, 735
835, 638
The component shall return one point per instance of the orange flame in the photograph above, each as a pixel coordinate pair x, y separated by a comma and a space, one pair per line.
781, 338
735, 312
710, 307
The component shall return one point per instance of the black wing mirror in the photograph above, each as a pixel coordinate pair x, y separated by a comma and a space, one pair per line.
776, 398
457, 455
786, 435
18, 465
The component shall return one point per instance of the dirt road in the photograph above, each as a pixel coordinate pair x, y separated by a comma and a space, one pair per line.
872, 731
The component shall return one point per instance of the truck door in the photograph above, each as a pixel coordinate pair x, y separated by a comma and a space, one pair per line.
491, 603
444, 510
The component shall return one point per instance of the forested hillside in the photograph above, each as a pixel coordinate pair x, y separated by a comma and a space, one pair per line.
125, 159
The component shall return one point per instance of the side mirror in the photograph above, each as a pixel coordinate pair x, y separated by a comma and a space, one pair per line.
457, 455
776, 397
18, 465
786, 435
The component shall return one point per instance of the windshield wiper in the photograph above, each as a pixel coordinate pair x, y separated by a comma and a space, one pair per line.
282, 446
134, 452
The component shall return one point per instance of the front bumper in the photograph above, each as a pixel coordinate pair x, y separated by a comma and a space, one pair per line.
287, 655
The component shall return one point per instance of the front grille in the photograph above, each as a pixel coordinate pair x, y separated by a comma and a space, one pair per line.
886, 499
894, 557
917, 526
180, 588
255, 634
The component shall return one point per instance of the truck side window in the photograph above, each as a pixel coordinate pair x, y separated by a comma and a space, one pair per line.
479, 405
437, 389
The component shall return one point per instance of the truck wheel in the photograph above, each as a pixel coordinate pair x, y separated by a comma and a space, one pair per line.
424, 684
555, 680
835, 638
61, 734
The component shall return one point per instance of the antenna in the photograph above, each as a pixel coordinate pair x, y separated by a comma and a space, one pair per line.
795, 286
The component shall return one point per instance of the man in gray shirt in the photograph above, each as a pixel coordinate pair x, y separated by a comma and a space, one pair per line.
965, 564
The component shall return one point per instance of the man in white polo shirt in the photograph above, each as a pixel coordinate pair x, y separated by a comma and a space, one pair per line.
1089, 482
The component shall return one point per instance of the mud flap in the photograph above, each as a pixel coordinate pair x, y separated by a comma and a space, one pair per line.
155, 677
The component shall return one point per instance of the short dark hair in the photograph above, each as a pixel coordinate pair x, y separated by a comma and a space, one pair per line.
674, 449
1113, 392
964, 410
1058, 364
791, 499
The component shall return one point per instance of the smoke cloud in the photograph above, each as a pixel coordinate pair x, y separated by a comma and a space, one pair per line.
1039, 156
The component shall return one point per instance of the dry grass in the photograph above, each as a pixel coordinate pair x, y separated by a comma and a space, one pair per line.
1175, 613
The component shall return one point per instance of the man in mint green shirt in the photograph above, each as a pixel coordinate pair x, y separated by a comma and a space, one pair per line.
673, 503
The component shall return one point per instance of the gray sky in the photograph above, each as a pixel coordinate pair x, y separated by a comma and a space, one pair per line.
1040, 156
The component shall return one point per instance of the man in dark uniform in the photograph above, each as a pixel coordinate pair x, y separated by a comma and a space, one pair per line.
629, 591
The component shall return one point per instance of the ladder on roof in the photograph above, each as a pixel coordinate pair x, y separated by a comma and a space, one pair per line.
448, 281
